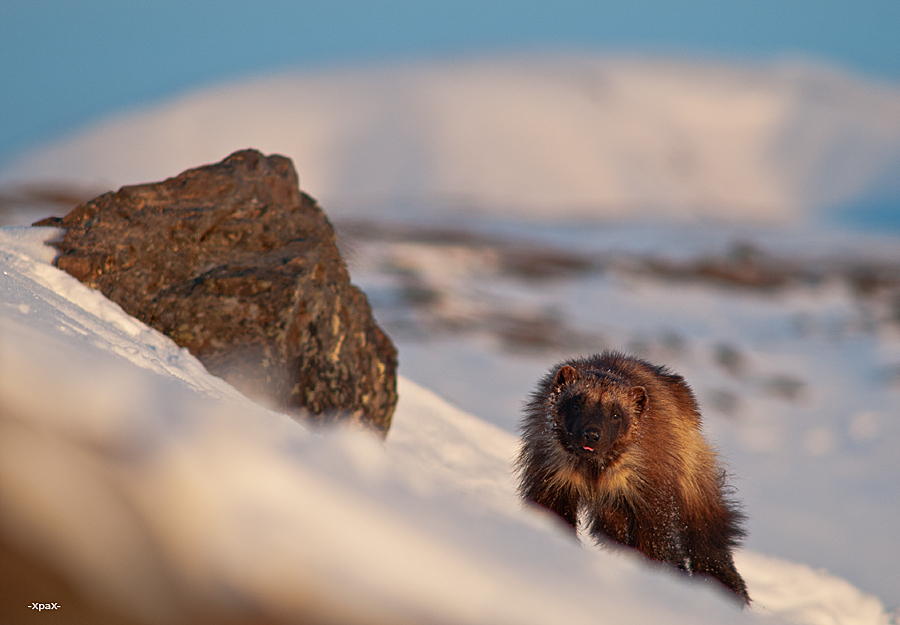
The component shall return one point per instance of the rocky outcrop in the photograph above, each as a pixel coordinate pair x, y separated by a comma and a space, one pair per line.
236, 264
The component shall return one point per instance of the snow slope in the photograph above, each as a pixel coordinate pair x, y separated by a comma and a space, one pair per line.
163, 494
799, 386
541, 136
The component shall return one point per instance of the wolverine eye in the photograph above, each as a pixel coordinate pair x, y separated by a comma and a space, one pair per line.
616, 416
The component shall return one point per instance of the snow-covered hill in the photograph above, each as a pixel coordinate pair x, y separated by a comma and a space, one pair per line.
546, 137
164, 496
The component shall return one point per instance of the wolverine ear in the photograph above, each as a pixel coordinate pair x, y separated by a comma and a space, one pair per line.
565, 376
639, 396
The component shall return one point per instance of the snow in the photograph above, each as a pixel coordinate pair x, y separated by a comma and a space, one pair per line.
573, 136
158, 488
137, 473
161, 491
798, 387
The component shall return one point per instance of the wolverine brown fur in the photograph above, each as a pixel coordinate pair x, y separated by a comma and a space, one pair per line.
618, 440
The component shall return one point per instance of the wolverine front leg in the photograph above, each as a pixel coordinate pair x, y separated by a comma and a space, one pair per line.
646, 530
557, 500
613, 523
709, 552
719, 564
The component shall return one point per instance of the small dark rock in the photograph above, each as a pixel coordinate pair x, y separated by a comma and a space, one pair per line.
724, 401
546, 264
732, 360
236, 264
785, 387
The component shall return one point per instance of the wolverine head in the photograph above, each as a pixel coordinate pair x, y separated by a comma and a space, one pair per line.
594, 411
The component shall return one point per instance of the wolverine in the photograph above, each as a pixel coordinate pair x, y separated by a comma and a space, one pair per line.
616, 442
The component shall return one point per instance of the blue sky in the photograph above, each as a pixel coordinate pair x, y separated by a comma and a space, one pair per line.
67, 63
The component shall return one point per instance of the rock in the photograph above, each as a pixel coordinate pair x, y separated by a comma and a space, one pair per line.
235, 263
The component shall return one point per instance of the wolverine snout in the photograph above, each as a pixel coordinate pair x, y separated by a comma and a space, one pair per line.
591, 436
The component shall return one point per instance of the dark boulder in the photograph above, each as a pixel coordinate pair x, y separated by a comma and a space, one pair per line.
235, 263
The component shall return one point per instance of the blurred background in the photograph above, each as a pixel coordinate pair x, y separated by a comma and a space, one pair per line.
688, 109
64, 64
